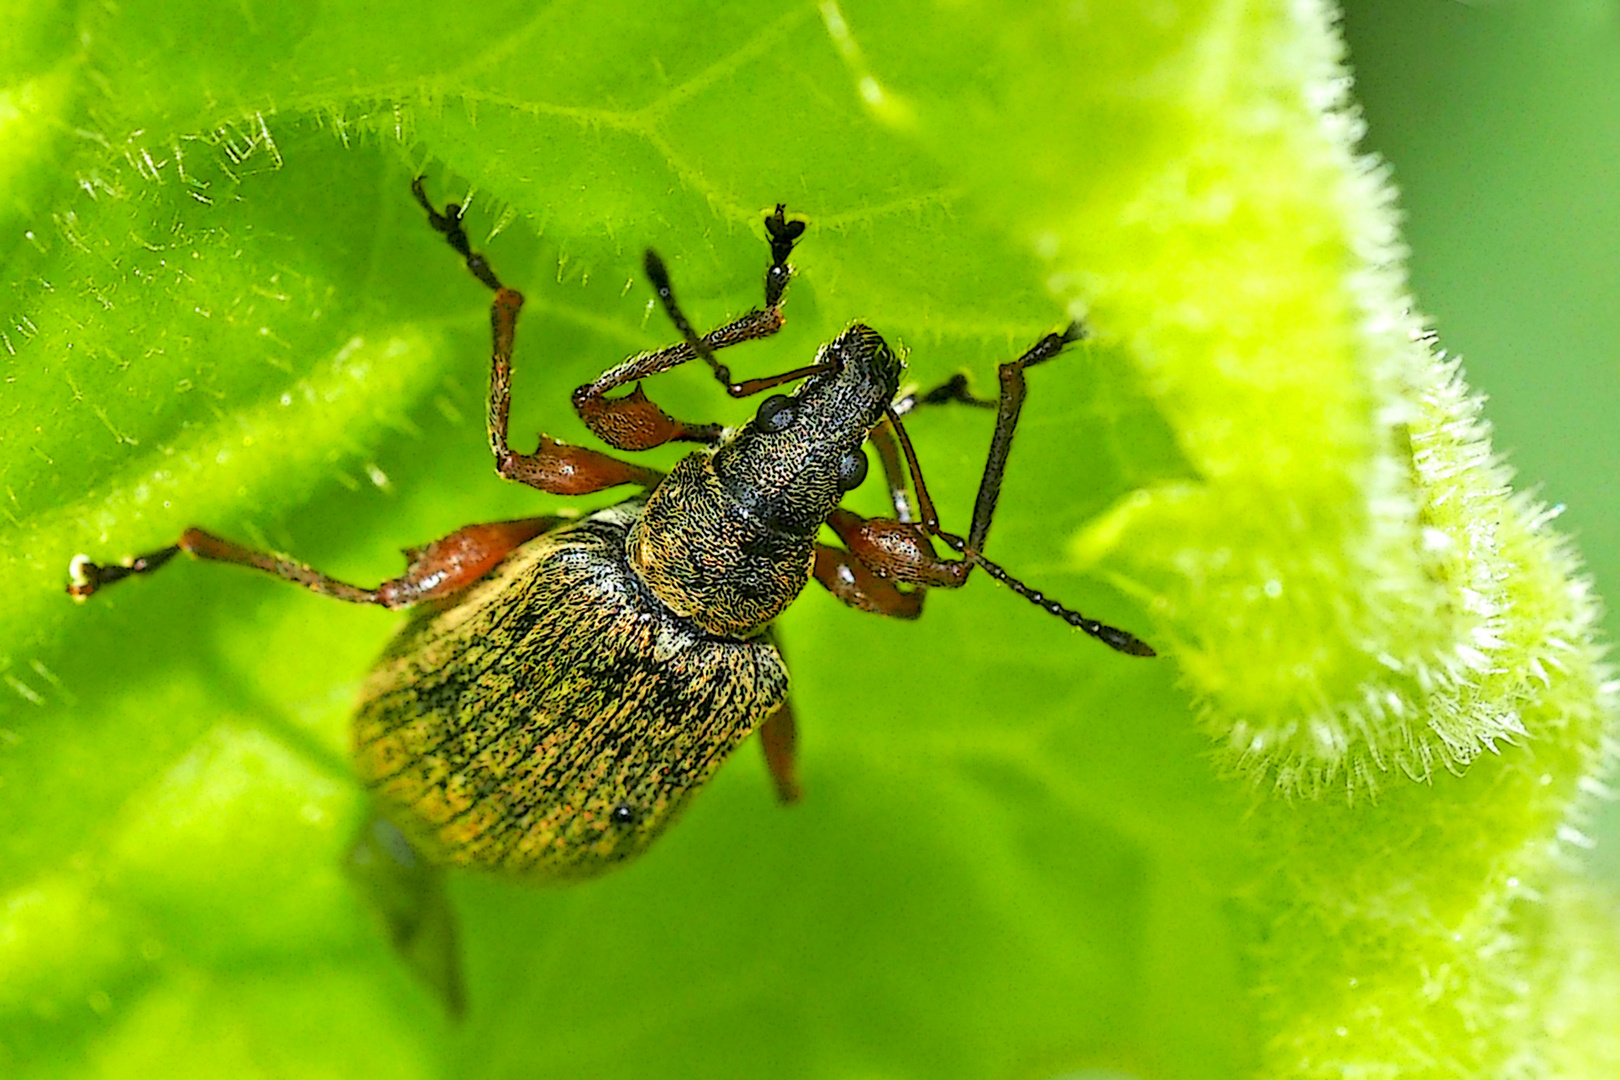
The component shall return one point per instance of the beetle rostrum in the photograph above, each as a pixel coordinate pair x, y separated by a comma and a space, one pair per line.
562, 687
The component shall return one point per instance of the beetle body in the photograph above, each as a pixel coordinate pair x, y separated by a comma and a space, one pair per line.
554, 718
563, 688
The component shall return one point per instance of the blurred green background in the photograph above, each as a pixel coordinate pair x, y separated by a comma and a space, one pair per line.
1502, 122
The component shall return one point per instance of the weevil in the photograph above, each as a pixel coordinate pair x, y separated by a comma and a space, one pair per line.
563, 686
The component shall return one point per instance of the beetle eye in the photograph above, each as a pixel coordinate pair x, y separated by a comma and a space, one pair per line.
852, 470
625, 814
775, 413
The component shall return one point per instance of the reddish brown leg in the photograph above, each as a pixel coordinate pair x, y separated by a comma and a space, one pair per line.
955, 389
1008, 407
555, 467
433, 572
632, 422
897, 551
778, 735
851, 581
562, 469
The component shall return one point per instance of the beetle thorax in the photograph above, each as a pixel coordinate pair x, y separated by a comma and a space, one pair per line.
708, 559
728, 538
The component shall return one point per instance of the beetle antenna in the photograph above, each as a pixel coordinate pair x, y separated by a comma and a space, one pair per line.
1112, 636
659, 276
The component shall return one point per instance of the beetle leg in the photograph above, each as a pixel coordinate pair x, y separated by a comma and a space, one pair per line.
451, 563
779, 735
894, 476
955, 389
563, 469
952, 390
899, 549
633, 422
408, 893
435, 571
1008, 406
894, 552
844, 573
852, 581
555, 467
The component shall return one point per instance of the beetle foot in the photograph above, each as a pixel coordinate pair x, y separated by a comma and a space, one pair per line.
86, 578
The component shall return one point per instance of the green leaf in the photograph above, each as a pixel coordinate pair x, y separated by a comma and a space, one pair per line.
1019, 854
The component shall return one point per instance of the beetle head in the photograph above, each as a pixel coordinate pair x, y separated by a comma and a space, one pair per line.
791, 464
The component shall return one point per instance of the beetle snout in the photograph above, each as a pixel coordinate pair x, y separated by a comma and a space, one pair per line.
863, 382
867, 359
